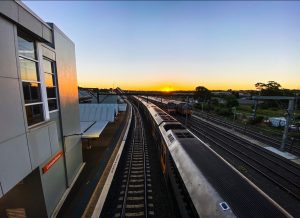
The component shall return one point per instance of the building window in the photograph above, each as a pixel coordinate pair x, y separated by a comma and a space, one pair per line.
30, 80
50, 83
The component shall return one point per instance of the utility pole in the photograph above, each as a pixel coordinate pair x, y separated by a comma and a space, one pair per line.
234, 113
296, 103
254, 109
290, 112
186, 114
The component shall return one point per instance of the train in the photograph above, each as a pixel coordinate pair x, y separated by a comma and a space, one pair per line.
171, 106
177, 148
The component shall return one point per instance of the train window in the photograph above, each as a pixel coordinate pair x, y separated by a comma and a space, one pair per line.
184, 135
173, 126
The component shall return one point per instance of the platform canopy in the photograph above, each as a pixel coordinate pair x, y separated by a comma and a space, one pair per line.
98, 112
94, 130
122, 107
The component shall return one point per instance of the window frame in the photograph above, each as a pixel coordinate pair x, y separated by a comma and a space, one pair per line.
41, 80
54, 74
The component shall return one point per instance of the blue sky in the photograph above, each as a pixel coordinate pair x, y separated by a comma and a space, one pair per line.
180, 45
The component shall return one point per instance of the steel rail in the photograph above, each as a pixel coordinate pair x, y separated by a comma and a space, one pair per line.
246, 162
254, 159
129, 170
255, 134
251, 132
253, 147
138, 139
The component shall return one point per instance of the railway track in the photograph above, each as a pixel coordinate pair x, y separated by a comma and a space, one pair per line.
280, 176
135, 198
256, 134
277, 170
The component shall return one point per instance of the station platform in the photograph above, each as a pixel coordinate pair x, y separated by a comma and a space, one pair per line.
96, 155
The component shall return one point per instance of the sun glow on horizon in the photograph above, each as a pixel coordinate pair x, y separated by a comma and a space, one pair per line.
167, 89
184, 86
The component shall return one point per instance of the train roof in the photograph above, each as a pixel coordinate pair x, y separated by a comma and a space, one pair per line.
158, 114
165, 101
209, 179
205, 197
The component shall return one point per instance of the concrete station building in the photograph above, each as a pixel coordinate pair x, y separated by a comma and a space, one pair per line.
40, 143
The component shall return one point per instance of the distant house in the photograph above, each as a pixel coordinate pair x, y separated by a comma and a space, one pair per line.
221, 93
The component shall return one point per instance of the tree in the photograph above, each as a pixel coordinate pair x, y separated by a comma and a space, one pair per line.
271, 88
202, 94
231, 101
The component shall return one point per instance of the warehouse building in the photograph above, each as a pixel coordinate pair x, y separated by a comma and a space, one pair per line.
40, 143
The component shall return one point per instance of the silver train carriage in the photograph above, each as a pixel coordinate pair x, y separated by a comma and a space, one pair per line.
171, 106
195, 196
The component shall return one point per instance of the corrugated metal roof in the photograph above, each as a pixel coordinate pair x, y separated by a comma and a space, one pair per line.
98, 112
84, 125
122, 107
95, 130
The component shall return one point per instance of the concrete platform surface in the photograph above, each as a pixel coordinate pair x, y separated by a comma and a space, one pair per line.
284, 154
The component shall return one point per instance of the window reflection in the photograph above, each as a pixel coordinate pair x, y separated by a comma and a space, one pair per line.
31, 92
49, 80
30, 79
34, 114
51, 92
26, 46
52, 103
47, 66
28, 70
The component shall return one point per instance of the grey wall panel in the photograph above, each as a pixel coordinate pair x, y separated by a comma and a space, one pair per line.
73, 161
69, 104
54, 116
14, 155
8, 60
9, 9
71, 141
11, 112
54, 185
21, 14
67, 83
39, 145
1, 193
30, 22
54, 143
47, 34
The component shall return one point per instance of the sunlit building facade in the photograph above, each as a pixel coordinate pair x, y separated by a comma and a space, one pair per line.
40, 145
